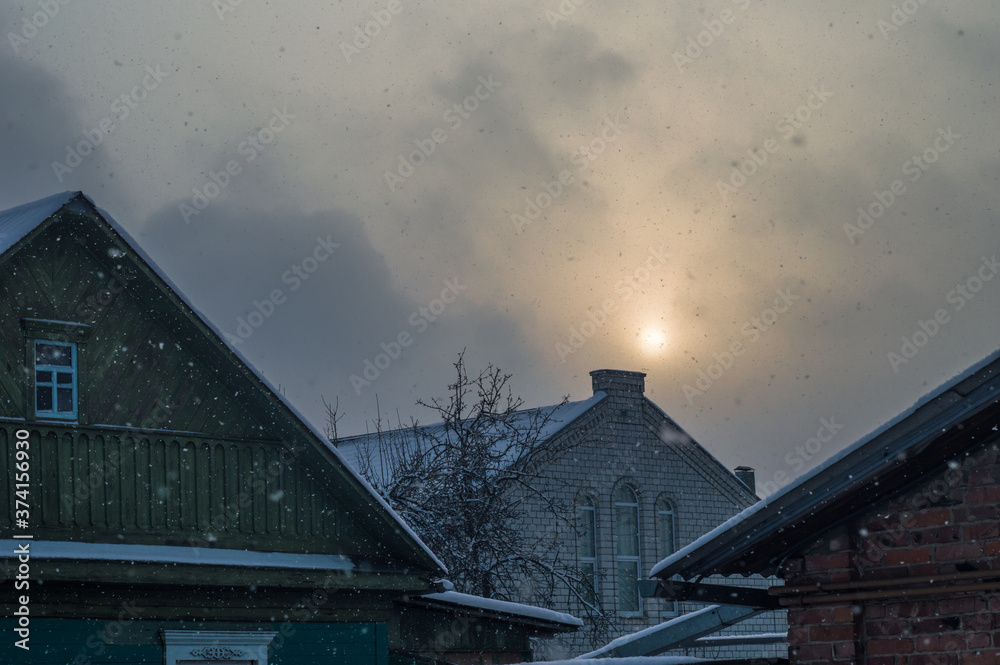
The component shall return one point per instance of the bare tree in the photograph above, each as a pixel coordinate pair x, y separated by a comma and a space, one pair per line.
466, 483
333, 417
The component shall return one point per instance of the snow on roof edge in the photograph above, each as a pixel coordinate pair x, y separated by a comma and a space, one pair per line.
573, 411
507, 607
708, 639
630, 660
591, 656
352, 447
59, 549
925, 399
17, 222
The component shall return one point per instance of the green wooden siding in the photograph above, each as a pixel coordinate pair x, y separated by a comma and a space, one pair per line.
135, 642
96, 484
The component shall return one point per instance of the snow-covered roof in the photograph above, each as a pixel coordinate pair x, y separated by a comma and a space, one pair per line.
16, 223
20, 221
639, 635
888, 443
76, 551
556, 418
748, 638
503, 607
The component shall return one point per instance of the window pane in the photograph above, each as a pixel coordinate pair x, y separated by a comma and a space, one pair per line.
43, 377
628, 586
63, 377
627, 528
54, 354
625, 495
587, 532
65, 396
666, 534
589, 592
43, 398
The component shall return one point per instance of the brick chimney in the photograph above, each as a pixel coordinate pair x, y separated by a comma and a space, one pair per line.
619, 382
747, 477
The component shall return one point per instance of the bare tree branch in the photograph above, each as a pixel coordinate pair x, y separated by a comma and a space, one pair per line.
466, 484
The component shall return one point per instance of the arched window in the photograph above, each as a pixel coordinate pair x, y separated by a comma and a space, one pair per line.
666, 535
586, 543
627, 549
665, 528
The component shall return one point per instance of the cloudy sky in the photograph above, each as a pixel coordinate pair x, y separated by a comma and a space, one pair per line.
560, 186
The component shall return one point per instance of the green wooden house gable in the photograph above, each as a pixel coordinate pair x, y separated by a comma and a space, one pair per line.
177, 440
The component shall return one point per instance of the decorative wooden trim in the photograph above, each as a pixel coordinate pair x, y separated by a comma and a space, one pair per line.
216, 645
68, 330
218, 653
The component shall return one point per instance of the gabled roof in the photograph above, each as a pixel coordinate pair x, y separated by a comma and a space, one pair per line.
943, 426
553, 420
558, 420
17, 227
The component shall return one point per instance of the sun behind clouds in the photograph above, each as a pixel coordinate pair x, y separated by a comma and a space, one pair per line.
653, 339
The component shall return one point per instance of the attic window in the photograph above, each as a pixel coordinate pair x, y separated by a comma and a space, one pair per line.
54, 352
55, 380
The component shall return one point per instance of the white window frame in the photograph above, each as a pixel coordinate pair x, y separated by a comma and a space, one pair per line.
588, 505
54, 386
212, 646
636, 560
665, 508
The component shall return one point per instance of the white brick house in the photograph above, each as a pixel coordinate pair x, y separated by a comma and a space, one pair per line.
642, 488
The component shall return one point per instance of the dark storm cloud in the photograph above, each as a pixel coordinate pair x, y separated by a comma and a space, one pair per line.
37, 123
307, 298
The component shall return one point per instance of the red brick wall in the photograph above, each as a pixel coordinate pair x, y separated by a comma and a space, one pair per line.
950, 523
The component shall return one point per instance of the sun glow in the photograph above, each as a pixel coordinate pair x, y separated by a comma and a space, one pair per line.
653, 340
